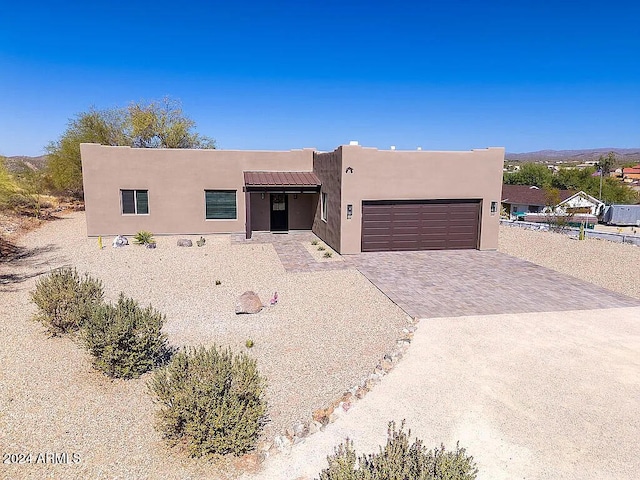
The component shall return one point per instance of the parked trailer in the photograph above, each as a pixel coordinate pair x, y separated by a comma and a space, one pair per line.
622, 215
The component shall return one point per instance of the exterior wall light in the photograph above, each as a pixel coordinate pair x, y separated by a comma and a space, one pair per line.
349, 211
262, 195
494, 208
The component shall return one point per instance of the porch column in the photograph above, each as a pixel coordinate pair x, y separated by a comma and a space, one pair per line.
247, 207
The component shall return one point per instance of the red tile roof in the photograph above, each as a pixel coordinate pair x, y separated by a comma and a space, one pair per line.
281, 179
526, 195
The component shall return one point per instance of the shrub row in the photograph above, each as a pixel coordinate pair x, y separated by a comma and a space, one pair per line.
124, 339
212, 400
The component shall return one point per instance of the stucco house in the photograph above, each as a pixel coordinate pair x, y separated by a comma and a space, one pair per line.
520, 200
355, 198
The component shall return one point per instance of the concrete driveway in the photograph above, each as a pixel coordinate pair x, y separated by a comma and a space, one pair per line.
449, 283
530, 395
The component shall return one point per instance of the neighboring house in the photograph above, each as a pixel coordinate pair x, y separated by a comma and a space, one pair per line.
631, 173
520, 200
354, 198
580, 202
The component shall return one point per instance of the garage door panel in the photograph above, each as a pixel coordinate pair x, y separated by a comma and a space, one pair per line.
462, 230
420, 225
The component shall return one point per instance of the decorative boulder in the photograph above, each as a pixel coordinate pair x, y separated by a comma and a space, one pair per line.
185, 242
249, 302
120, 241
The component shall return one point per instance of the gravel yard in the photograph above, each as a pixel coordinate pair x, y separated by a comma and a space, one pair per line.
327, 332
615, 266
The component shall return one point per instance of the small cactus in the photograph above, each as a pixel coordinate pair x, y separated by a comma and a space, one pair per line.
249, 343
218, 282
201, 242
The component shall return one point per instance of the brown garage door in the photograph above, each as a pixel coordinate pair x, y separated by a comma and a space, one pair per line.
420, 225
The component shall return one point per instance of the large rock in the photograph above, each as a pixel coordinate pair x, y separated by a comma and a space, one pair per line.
185, 242
249, 302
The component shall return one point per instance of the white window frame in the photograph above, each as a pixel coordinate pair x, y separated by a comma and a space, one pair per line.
135, 201
323, 206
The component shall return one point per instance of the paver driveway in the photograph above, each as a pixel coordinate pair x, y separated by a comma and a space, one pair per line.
452, 283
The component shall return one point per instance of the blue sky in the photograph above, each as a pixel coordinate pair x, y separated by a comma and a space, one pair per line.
449, 75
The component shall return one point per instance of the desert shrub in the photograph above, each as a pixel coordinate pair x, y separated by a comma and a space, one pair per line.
327, 255
399, 460
66, 300
126, 340
143, 238
314, 242
212, 401
321, 248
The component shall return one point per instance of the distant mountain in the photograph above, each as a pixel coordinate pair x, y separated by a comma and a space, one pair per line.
579, 156
15, 164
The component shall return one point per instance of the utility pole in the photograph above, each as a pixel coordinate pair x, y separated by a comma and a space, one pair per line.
600, 194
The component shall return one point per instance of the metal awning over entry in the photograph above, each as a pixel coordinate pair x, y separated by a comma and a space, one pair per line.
277, 184
286, 182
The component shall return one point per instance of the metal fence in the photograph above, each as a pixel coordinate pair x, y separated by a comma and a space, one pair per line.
574, 232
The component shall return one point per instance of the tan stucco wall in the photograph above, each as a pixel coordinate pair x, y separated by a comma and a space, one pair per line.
260, 212
328, 168
302, 208
412, 175
176, 180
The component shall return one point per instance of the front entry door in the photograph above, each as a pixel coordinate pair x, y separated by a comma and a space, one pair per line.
279, 213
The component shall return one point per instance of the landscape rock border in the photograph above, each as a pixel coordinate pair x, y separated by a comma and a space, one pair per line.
301, 430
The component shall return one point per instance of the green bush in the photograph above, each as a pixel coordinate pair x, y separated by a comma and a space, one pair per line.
400, 460
65, 300
212, 401
143, 238
126, 340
